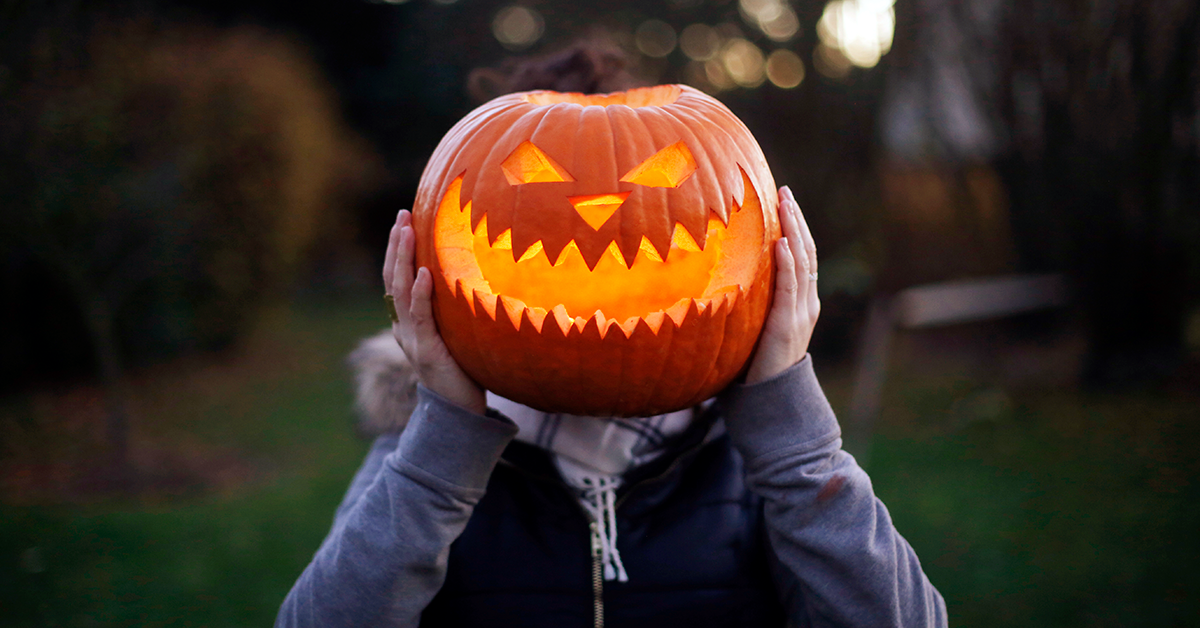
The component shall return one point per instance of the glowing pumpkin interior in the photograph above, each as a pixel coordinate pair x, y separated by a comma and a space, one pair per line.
617, 290
600, 255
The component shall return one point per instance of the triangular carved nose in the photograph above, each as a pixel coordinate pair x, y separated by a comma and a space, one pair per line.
597, 208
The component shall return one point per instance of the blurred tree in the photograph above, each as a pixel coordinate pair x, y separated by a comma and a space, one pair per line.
1089, 112
164, 182
1101, 101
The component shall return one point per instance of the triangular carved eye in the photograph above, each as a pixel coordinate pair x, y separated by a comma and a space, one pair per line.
667, 168
528, 164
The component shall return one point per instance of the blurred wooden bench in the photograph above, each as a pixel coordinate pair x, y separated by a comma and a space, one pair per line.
934, 305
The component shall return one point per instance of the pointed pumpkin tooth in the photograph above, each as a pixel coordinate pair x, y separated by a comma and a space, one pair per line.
513, 308
504, 240
647, 248
532, 252
654, 320
628, 249
600, 322
561, 318
718, 302
464, 295
679, 310
715, 227
590, 252
728, 295
486, 300
536, 316
615, 251
570, 249
600, 319
630, 324
554, 255
683, 239
614, 326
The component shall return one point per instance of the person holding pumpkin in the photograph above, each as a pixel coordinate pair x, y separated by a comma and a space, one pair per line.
740, 510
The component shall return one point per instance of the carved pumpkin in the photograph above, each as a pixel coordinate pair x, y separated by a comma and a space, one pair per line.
601, 255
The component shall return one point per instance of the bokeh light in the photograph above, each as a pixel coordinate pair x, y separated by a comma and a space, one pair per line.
744, 62
775, 18
861, 30
728, 30
655, 38
699, 42
830, 62
782, 27
517, 27
785, 69
695, 75
717, 76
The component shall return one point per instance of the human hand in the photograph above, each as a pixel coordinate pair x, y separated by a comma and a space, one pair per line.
415, 329
793, 315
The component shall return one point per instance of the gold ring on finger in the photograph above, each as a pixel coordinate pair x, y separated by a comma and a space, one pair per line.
391, 307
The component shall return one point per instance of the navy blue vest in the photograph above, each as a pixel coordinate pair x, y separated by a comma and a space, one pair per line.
690, 535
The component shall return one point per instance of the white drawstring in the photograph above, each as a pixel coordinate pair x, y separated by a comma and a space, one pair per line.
599, 499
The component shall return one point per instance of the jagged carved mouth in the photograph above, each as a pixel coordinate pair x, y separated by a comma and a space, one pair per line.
616, 291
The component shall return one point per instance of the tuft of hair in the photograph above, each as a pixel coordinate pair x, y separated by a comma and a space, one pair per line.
385, 385
589, 66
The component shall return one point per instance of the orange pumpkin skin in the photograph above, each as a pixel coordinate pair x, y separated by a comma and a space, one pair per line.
602, 255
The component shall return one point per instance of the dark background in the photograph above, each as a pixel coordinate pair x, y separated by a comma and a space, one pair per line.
196, 197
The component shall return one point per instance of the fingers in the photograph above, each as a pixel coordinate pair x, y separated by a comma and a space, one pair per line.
421, 310
402, 270
810, 245
389, 258
786, 283
813, 300
790, 217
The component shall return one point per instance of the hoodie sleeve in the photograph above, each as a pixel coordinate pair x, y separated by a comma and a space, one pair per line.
385, 557
839, 560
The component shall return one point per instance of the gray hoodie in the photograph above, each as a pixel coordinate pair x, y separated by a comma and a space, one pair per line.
843, 563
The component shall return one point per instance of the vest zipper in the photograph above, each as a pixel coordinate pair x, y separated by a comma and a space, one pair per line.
597, 578
597, 564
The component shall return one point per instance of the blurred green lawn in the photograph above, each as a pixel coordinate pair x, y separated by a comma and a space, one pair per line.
1037, 508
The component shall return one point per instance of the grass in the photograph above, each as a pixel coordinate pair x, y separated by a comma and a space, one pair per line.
1027, 508
217, 559
1061, 509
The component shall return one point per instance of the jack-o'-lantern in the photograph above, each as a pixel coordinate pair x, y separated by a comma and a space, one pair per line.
601, 255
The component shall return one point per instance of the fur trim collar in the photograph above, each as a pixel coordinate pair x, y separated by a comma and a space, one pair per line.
385, 385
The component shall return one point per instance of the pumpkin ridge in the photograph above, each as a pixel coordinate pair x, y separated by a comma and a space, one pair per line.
729, 186
496, 125
676, 354
556, 227
627, 155
751, 152
656, 226
712, 318
501, 214
703, 160
508, 137
665, 130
